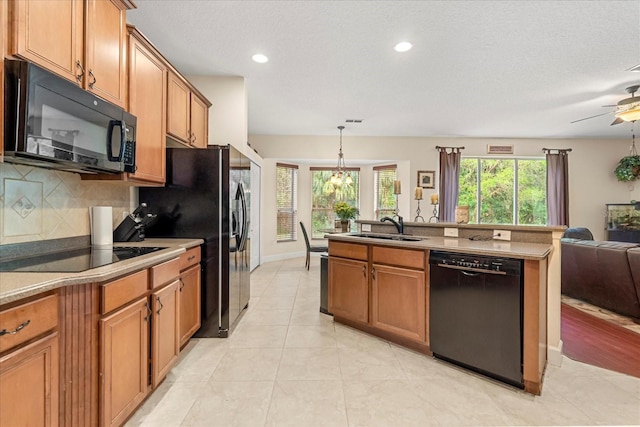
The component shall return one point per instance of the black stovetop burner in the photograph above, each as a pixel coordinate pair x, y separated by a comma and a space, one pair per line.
74, 260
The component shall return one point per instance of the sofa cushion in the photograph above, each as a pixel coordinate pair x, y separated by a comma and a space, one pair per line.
578, 233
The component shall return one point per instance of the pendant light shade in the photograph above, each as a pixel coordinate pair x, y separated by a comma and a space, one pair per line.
340, 174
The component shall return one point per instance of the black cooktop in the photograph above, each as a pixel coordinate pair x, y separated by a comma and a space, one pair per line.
74, 260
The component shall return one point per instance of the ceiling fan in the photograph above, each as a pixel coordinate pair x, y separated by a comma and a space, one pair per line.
627, 110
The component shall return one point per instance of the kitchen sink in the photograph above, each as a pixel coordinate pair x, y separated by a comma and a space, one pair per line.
399, 237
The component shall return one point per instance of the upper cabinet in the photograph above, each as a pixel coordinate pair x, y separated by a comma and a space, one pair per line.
85, 43
187, 113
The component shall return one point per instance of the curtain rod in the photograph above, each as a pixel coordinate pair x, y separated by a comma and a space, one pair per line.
567, 150
444, 148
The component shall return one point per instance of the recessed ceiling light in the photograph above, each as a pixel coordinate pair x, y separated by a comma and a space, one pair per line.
403, 47
260, 58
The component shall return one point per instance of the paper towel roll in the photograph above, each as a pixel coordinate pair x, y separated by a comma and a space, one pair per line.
101, 218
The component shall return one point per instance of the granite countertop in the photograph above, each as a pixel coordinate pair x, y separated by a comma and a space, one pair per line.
17, 285
520, 250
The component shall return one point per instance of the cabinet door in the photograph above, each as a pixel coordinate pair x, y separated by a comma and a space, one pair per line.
51, 34
178, 114
348, 289
147, 101
165, 338
398, 302
199, 122
124, 364
29, 384
189, 303
105, 42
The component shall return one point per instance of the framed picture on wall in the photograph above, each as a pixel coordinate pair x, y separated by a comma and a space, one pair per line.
426, 179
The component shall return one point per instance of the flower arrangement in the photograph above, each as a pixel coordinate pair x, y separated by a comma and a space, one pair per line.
345, 211
628, 168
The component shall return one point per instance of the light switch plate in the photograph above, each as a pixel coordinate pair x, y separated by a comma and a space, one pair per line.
366, 227
502, 234
450, 232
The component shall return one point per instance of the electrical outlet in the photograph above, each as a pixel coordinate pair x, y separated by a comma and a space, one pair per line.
366, 227
450, 232
502, 234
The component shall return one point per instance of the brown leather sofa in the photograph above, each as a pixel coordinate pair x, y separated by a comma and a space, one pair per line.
605, 274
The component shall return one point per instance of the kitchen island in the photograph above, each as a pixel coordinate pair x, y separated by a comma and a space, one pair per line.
380, 284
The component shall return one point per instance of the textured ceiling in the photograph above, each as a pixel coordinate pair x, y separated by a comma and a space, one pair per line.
522, 69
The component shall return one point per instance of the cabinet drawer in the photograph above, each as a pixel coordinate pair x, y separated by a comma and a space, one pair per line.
399, 257
119, 292
348, 250
164, 273
189, 258
37, 316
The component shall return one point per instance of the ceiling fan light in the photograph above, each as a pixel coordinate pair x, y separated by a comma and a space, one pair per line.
630, 115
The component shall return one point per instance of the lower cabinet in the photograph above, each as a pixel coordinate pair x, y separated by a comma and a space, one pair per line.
165, 327
29, 384
349, 289
124, 361
189, 303
398, 301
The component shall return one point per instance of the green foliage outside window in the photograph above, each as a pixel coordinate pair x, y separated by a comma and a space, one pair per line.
324, 197
504, 191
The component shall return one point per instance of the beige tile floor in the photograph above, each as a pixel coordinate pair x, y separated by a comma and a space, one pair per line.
289, 365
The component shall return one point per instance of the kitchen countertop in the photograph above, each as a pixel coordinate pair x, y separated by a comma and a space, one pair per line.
520, 250
18, 285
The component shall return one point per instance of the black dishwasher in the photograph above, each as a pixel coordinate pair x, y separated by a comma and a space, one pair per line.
475, 313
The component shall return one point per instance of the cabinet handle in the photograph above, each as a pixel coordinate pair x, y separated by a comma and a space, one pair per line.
16, 330
181, 284
161, 305
149, 312
195, 137
94, 79
79, 76
373, 273
191, 258
364, 271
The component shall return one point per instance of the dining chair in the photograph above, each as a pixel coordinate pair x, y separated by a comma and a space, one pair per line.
310, 248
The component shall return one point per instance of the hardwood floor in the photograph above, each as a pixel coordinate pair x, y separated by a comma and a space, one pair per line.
599, 342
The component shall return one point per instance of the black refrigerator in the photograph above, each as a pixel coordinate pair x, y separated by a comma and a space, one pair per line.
205, 196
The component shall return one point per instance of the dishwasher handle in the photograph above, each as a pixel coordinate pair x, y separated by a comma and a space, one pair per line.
468, 270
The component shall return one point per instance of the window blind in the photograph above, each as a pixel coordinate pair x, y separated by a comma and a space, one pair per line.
286, 201
384, 199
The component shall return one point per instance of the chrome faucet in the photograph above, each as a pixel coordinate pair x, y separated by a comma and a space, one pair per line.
399, 224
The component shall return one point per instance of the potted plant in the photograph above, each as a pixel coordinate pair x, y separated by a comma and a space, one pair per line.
628, 168
345, 212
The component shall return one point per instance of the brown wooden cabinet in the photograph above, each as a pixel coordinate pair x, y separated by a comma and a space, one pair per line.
165, 329
189, 303
82, 41
29, 384
147, 101
349, 289
29, 371
124, 365
187, 113
398, 302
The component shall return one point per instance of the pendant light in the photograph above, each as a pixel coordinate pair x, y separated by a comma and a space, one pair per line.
340, 174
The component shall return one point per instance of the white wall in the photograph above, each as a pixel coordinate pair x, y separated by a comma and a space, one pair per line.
592, 183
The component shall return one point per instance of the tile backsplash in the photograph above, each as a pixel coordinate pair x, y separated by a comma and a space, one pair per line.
41, 204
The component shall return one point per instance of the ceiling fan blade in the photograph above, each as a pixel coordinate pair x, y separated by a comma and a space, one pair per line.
587, 118
608, 106
617, 121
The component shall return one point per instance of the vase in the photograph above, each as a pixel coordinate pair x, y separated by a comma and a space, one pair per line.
344, 224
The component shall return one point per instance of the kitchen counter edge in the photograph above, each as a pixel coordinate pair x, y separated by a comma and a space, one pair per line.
519, 250
15, 286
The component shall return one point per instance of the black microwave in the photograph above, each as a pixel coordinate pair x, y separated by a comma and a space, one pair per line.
50, 122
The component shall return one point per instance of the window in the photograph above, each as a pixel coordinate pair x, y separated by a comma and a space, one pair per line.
287, 201
504, 191
383, 199
324, 195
